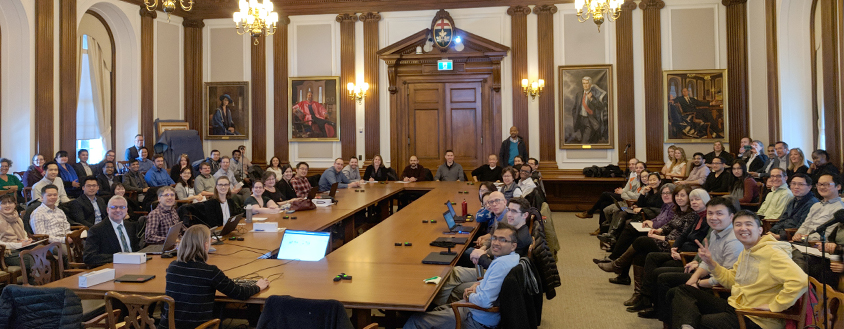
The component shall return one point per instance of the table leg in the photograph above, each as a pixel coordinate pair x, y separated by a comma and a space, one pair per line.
385, 206
361, 317
349, 227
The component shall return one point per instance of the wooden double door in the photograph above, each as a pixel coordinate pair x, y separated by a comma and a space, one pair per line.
445, 116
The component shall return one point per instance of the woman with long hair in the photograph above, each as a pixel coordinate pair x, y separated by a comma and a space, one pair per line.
176, 170
274, 166
510, 188
649, 198
221, 122
220, 207
68, 175
192, 282
669, 160
796, 162
744, 187
35, 172
376, 171
678, 165
12, 233
184, 186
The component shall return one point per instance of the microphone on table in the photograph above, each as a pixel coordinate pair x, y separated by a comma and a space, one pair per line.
837, 218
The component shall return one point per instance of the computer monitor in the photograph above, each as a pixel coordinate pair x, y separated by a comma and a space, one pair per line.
303, 245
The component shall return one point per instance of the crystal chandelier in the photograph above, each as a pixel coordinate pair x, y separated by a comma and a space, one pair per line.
168, 6
598, 9
256, 19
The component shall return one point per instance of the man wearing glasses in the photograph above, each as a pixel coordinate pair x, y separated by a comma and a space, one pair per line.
796, 210
88, 209
780, 195
163, 217
484, 293
828, 187
110, 236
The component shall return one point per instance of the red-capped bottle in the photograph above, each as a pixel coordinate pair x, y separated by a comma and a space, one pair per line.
465, 208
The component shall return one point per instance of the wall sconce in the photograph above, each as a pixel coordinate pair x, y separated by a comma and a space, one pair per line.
534, 88
357, 92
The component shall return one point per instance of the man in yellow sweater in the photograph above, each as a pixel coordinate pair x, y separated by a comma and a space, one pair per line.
763, 278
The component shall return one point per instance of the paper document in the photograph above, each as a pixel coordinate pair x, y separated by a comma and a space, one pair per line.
810, 250
638, 227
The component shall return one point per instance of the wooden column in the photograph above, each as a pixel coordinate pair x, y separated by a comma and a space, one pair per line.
774, 121
653, 79
737, 89
193, 73
518, 51
281, 103
259, 101
831, 79
347, 74
372, 122
626, 96
67, 78
147, 75
547, 140
44, 105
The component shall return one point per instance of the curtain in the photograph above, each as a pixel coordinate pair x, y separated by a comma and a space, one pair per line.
100, 82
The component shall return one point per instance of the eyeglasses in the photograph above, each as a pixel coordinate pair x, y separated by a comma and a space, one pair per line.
117, 207
168, 195
796, 184
667, 193
223, 185
494, 201
500, 239
524, 172
829, 185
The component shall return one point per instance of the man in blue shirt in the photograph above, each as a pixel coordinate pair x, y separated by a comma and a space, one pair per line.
483, 293
158, 176
512, 147
144, 164
335, 175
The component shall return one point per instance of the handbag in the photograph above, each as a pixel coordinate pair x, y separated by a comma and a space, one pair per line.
299, 205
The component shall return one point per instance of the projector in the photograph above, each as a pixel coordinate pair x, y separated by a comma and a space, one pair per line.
323, 202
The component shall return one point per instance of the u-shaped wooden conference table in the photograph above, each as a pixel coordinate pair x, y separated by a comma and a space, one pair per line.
384, 276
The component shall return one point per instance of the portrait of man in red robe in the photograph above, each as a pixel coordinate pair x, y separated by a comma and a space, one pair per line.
312, 115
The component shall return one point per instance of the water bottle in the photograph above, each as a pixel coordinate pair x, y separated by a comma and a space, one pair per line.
465, 208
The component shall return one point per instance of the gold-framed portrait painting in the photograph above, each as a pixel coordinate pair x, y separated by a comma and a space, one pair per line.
586, 107
314, 108
695, 106
226, 110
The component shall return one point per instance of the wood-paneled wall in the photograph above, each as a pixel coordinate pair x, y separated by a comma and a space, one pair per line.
547, 124
259, 101
44, 78
147, 74
519, 60
626, 93
280, 101
193, 72
372, 117
67, 77
737, 76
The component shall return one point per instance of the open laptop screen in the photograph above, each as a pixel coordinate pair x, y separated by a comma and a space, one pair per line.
449, 219
303, 245
450, 208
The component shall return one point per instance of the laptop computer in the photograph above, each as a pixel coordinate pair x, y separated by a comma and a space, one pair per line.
303, 245
231, 224
452, 226
457, 219
331, 193
169, 242
312, 193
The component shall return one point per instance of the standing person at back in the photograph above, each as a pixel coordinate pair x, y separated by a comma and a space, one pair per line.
450, 170
511, 147
134, 151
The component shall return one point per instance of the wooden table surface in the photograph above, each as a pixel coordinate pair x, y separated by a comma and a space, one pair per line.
385, 276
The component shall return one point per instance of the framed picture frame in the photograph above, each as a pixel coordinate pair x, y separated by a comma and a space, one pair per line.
695, 108
586, 107
171, 125
314, 109
227, 111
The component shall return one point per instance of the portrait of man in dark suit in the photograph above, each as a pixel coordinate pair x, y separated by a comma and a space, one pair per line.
694, 105
586, 111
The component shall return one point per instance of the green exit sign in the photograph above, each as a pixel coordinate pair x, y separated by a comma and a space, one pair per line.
445, 65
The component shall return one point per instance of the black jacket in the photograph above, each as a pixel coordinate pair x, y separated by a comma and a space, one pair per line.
504, 153
651, 203
290, 312
81, 211
381, 175
106, 189
544, 259
80, 170
37, 307
102, 243
520, 299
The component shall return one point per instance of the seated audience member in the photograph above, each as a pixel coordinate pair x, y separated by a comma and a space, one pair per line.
280, 189
237, 166
649, 202
226, 171
213, 161
821, 165
106, 180
176, 170
723, 245
81, 167
12, 232
764, 277
352, 171
134, 151
88, 209
687, 226
185, 189
744, 188
134, 180
719, 180
48, 218
300, 182
698, 173
376, 171
260, 202
679, 164
484, 215
526, 182
68, 175
796, 162
489, 172
776, 201
9, 184
51, 178
718, 152
518, 160
496, 204
510, 188
609, 212
220, 207
144, 163
109, 157
755, 158
449, 171
192, 283
669, 159
247, 164
771, 162
120, 190
111, 236
534, 165
483, 293
511, 148
162, 217
414, 171
626, 192
744, 149
158, 176
796, 210
204, 183
821, 268
274, 166
35, 172
335, 175
829, 186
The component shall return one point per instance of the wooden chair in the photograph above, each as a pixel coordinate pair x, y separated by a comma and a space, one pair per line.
4, 275
75, 245
768, 223
139, 310
797, 311
762, 193
44, 264
714, 194
19, 174
789, 233
122, 166
27, 194
456, 308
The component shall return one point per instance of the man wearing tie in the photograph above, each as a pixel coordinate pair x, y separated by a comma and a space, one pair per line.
590, 113
110, 236
690, 104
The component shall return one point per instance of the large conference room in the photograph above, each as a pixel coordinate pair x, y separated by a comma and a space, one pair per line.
421, 164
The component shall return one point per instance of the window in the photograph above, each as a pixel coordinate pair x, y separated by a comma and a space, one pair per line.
87, 129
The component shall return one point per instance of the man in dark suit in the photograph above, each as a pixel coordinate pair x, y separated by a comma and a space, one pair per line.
133, 152
106, 179
690, 104
82, 210
82, 167
590, 113
110, 236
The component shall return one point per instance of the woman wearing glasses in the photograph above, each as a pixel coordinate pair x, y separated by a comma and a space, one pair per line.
510, 188
220, 207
